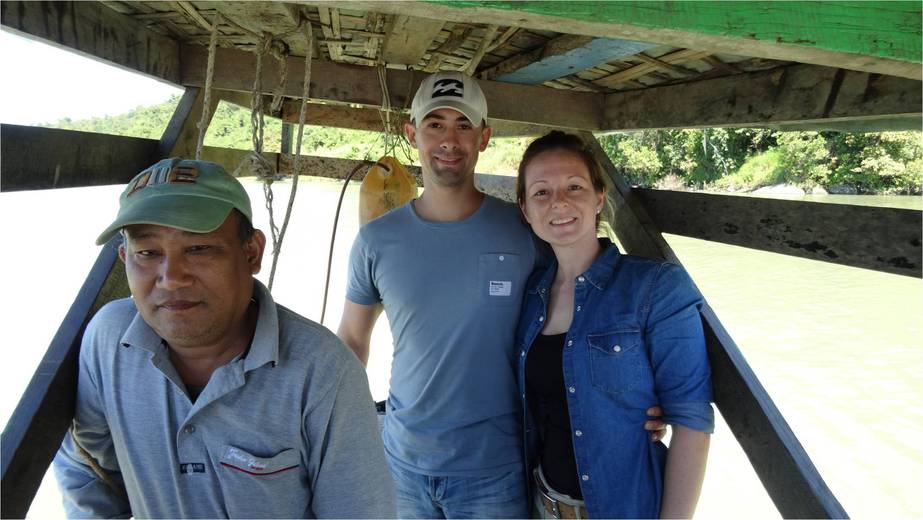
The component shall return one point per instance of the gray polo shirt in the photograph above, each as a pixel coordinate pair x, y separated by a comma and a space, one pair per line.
289, 430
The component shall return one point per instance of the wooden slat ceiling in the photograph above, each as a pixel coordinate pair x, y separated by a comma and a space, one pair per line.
368, 38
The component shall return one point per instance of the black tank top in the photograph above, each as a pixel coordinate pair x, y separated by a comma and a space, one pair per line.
548, 404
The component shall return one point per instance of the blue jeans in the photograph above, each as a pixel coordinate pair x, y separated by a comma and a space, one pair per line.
423, 496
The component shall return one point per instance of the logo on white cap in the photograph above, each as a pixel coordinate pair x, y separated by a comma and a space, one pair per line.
448, 87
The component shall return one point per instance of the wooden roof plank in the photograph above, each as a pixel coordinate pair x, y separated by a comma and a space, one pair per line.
486, 40
326, 23
646, 68
788, 95
459, 34
342, 83
126, 42
565, 55
409, 38
680, 71
876, 36
190, 10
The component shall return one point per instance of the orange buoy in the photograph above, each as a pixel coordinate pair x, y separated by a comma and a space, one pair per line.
386, 186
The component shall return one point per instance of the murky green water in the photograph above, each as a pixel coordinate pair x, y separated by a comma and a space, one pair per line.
840, 349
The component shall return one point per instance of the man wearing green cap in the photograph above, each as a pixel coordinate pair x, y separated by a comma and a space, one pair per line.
201, 397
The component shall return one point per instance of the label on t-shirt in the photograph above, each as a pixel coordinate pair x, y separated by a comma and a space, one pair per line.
502, 288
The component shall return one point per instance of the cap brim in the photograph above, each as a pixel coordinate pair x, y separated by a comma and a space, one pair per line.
454, 105
188, 213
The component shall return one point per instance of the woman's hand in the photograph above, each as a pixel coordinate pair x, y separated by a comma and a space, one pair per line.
656, 426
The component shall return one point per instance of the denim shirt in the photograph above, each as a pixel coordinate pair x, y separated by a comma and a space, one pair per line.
635, 341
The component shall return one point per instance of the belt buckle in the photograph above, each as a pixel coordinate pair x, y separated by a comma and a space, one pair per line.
555, 511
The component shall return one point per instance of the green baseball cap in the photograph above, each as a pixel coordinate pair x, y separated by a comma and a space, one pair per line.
195, 196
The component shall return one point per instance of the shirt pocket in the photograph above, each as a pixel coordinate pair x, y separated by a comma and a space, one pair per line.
250, 482
617, 361
499, 278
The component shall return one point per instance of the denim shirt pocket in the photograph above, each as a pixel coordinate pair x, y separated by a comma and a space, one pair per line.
617, 360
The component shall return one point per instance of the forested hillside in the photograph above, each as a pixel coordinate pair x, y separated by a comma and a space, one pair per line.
715, 158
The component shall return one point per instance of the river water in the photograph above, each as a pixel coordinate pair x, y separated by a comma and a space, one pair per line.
839, 349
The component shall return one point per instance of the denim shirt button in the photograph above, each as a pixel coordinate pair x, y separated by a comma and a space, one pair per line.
578, 433
522, 354
617, 348
571, 389
580, 279
541, 318
584, 477
578, 308
570, 342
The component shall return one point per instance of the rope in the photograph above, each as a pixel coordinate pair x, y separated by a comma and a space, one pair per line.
100, 472
209, 76
389, 143
296, 165
333, 235
254, 160
385, 111
279, 51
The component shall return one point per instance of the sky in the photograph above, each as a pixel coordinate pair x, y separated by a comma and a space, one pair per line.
42, 84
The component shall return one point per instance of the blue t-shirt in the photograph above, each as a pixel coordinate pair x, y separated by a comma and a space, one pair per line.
452, 293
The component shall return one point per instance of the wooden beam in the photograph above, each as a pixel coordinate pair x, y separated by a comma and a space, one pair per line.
182, 133
560, 57
376, 23
486, 41
646, 68
327, 26
97, 32
882, 124
505, 37
41, 419
664, 65
342, 116
717, 64
189, 9
33, 158
459, 35
878, 37
501, 186
786, 471
788, 95
882, 239
408, 39
341, 83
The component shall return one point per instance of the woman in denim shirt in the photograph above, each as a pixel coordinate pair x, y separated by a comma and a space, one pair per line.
602, 337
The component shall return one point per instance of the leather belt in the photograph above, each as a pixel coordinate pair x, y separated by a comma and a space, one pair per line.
555, 507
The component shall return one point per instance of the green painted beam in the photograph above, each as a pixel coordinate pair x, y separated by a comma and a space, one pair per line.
880, 29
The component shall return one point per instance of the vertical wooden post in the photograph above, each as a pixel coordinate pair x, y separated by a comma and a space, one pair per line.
182, 133
786, 471
44, 413
286, 146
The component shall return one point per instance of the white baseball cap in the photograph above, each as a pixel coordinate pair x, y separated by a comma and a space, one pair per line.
453, 90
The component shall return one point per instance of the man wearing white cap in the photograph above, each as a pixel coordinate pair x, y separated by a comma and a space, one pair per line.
201, 397
449, 270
